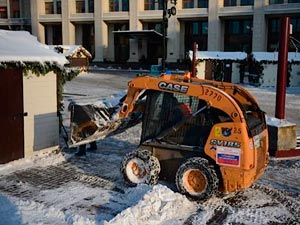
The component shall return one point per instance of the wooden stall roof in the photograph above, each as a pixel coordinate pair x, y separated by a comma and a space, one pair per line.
71, 51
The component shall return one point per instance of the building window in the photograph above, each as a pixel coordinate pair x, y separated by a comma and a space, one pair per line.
155, 26
113, 5
247, 2
149, 5
3, 12
121, 44
153, 4
160, 4
91, 6
88, 37
196, 31
187, 4
238, 35
295, 27
15, 8
229, 3
271, 2
53, 34
57, 35
119, 5
49, 8
247, 27
202, 3
125, 5
80, 6
295, 36
274, 34
58, 7
53, 7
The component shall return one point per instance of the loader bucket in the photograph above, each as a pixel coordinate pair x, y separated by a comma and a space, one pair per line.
91, 123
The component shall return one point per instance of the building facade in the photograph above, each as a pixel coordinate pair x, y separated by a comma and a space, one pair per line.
131, 31
15, 15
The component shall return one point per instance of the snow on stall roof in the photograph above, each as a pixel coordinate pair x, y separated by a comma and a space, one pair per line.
273, 56
21, 46
219, 55
259, 56
69, 50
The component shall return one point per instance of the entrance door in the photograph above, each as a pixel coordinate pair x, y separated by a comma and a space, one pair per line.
155, 51
227, 71
208, 70
11, 115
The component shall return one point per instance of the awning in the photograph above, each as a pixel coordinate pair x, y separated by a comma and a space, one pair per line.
140, 34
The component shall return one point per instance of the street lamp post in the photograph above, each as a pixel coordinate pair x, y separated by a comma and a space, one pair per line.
167, 13
165, 27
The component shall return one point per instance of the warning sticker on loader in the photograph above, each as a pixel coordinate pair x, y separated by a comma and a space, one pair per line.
228, 156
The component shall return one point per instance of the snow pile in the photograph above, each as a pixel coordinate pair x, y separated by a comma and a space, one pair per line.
158, 206
112, 101
275, 122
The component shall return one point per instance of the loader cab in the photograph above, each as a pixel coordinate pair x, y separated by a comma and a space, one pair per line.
175, 119
161, 113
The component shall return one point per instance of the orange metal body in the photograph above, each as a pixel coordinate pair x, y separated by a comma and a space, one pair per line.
241, 157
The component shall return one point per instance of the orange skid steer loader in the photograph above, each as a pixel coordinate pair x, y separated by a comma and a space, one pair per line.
207, 136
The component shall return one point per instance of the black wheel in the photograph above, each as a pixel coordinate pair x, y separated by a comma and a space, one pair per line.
140, 167
197, 179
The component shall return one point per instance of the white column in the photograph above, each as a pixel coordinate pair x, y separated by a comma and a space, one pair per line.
259, 37
8, 9
215, 38
173, 39
134, 24
50, 35
86, 6
182, 52
101, 31
68, 29
79, 32
37, 8
110, 46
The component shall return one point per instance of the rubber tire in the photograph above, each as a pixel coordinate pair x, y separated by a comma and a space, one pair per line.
200, 165
149, 162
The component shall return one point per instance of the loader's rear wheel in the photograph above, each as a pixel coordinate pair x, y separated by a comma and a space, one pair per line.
197, 179
140, 167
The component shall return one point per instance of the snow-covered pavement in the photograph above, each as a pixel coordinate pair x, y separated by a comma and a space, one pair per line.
59, 188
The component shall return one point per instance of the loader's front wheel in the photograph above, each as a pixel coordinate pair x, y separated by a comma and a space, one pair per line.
197, 179
139, 167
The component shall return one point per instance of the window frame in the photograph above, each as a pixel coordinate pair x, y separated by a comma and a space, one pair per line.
275, 2
229, 3
236, 36
80, 6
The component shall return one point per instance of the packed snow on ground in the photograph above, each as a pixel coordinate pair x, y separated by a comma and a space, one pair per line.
274, 199
145, 204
